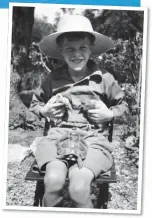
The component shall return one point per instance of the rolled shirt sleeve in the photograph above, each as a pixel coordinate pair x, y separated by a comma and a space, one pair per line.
115, 95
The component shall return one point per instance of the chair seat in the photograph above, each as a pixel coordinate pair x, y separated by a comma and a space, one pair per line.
31, 175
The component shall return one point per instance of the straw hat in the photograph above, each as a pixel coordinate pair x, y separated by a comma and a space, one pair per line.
74, 23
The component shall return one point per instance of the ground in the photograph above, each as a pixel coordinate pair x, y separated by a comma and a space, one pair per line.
122, 195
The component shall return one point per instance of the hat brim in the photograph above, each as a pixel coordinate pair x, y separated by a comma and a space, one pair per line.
49, 47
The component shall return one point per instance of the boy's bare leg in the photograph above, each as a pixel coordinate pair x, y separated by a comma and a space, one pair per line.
54, 180
80, 185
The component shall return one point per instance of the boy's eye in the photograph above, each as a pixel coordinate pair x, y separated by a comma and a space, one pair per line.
83, 48
69, 49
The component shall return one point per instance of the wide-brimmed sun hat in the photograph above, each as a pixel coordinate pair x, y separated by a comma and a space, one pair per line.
74, 23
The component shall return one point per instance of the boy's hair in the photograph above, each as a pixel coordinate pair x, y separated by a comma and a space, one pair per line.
75, 35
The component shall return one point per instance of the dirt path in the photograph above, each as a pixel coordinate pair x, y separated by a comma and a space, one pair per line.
122, 196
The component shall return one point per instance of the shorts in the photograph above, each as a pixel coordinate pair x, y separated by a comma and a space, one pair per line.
98, 159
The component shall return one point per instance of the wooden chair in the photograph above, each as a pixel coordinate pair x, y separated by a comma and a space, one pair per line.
102, 182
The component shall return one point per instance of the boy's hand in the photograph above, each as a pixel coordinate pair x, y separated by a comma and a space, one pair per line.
54, 110
100, 114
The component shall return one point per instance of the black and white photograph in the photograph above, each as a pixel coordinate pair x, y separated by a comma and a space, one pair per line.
75, 108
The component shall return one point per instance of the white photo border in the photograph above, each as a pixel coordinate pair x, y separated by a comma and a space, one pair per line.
142, 114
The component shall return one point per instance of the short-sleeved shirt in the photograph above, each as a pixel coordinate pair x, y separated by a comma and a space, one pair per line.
96, 85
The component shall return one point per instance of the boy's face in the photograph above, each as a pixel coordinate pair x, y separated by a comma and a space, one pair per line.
76, 52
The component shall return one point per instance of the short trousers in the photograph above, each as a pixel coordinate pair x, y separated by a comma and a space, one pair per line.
98, 159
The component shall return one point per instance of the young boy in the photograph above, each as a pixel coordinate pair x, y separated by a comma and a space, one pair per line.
84, 102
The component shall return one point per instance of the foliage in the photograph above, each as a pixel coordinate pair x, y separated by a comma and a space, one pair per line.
41, 28
116, 23
123, 61
38, 68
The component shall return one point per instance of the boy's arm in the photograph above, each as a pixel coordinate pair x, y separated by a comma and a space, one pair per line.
41, 96
116, 97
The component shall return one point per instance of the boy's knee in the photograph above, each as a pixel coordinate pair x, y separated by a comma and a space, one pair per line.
53, 181
79, 191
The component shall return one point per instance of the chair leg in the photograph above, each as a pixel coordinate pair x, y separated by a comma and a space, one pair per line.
103, 196
39, 192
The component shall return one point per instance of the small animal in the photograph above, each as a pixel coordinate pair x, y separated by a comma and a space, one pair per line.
59, 98
92, 104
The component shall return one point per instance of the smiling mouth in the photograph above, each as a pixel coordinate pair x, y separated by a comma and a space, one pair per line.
77, 61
